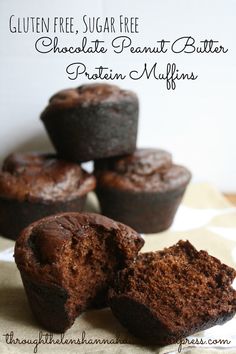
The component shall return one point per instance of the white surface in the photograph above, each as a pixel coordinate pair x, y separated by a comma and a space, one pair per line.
190, 218
196, 122
7, 255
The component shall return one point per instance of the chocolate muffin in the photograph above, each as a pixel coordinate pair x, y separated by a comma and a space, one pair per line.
68, 261
34, 185
168, 295
92, 121
142, 190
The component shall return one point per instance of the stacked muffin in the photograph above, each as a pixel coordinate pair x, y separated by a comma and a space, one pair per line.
140, 187
34, 185
90, 122
99, 122
73, 261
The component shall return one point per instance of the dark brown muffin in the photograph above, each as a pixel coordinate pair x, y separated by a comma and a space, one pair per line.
142, 190
92, 121
167, 295
34, 185
68, 261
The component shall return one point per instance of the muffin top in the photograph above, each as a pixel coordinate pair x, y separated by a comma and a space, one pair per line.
49, 243
89, 95
42, 177
144, 170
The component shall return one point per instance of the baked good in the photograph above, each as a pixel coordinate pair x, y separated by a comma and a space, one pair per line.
68, 261
92, 121
168, 295
142, 190
34, 185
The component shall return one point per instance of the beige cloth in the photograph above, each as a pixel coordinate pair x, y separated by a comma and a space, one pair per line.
205, 218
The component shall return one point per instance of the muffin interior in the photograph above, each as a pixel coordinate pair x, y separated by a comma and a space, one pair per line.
182, 287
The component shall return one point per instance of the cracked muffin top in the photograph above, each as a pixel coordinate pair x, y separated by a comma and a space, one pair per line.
43, 177
90, 94
144, 170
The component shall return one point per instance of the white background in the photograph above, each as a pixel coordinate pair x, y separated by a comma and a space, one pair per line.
196, 122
